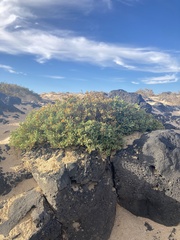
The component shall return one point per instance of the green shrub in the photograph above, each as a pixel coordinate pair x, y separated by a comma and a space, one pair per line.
93, 121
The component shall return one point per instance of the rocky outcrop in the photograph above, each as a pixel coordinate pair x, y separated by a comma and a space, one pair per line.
77, 199
7, 103
133, 98
18, 210
147, 177
75, 193
8, 108
9, 100
9, 180
82, 195
29, 216
168, 115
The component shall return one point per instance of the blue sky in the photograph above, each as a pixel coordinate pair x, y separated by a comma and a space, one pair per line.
84, 45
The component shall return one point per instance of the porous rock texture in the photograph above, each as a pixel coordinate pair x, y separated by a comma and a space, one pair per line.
74, 198
78, 189
147, 176
74, 193
28, 216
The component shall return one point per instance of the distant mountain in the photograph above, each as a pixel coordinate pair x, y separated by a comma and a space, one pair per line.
167, 98
24, 94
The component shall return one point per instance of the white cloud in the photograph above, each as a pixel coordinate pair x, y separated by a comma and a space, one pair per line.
136, 83
169, 78
8, 69
55, 77
41, 3
17, 26
63, 46
119, 62
19, 34
128, 2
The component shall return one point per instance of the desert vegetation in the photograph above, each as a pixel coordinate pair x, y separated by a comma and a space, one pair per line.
23, 93
92, 121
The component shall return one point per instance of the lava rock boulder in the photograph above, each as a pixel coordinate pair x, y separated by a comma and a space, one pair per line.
147, 176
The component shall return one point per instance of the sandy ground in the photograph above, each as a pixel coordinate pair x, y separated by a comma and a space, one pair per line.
13, 120
126, 227
11, 162
11, 157
130, 227
24, 186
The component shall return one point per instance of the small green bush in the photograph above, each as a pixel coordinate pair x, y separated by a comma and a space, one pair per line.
93, 121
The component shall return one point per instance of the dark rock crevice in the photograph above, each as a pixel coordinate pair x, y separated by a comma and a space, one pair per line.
48, 226
113, 172
79, 193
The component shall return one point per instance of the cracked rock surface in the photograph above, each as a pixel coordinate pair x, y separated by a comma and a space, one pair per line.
72, 195
74, 198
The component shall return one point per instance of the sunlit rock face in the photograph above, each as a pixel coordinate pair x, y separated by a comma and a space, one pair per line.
74, 193
74, 197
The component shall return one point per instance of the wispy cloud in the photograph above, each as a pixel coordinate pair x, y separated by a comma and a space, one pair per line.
128, 2
161, 79
55, 77
9, 69
45, 46
120, 62
19, 34
136, 83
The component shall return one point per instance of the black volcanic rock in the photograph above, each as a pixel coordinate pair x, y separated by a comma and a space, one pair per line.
81, 193
18, 210
166, 114
162, 108
7, 103
10, 179
77, 191
9, 100
5, 107
147, 176
32, 202
133, 98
